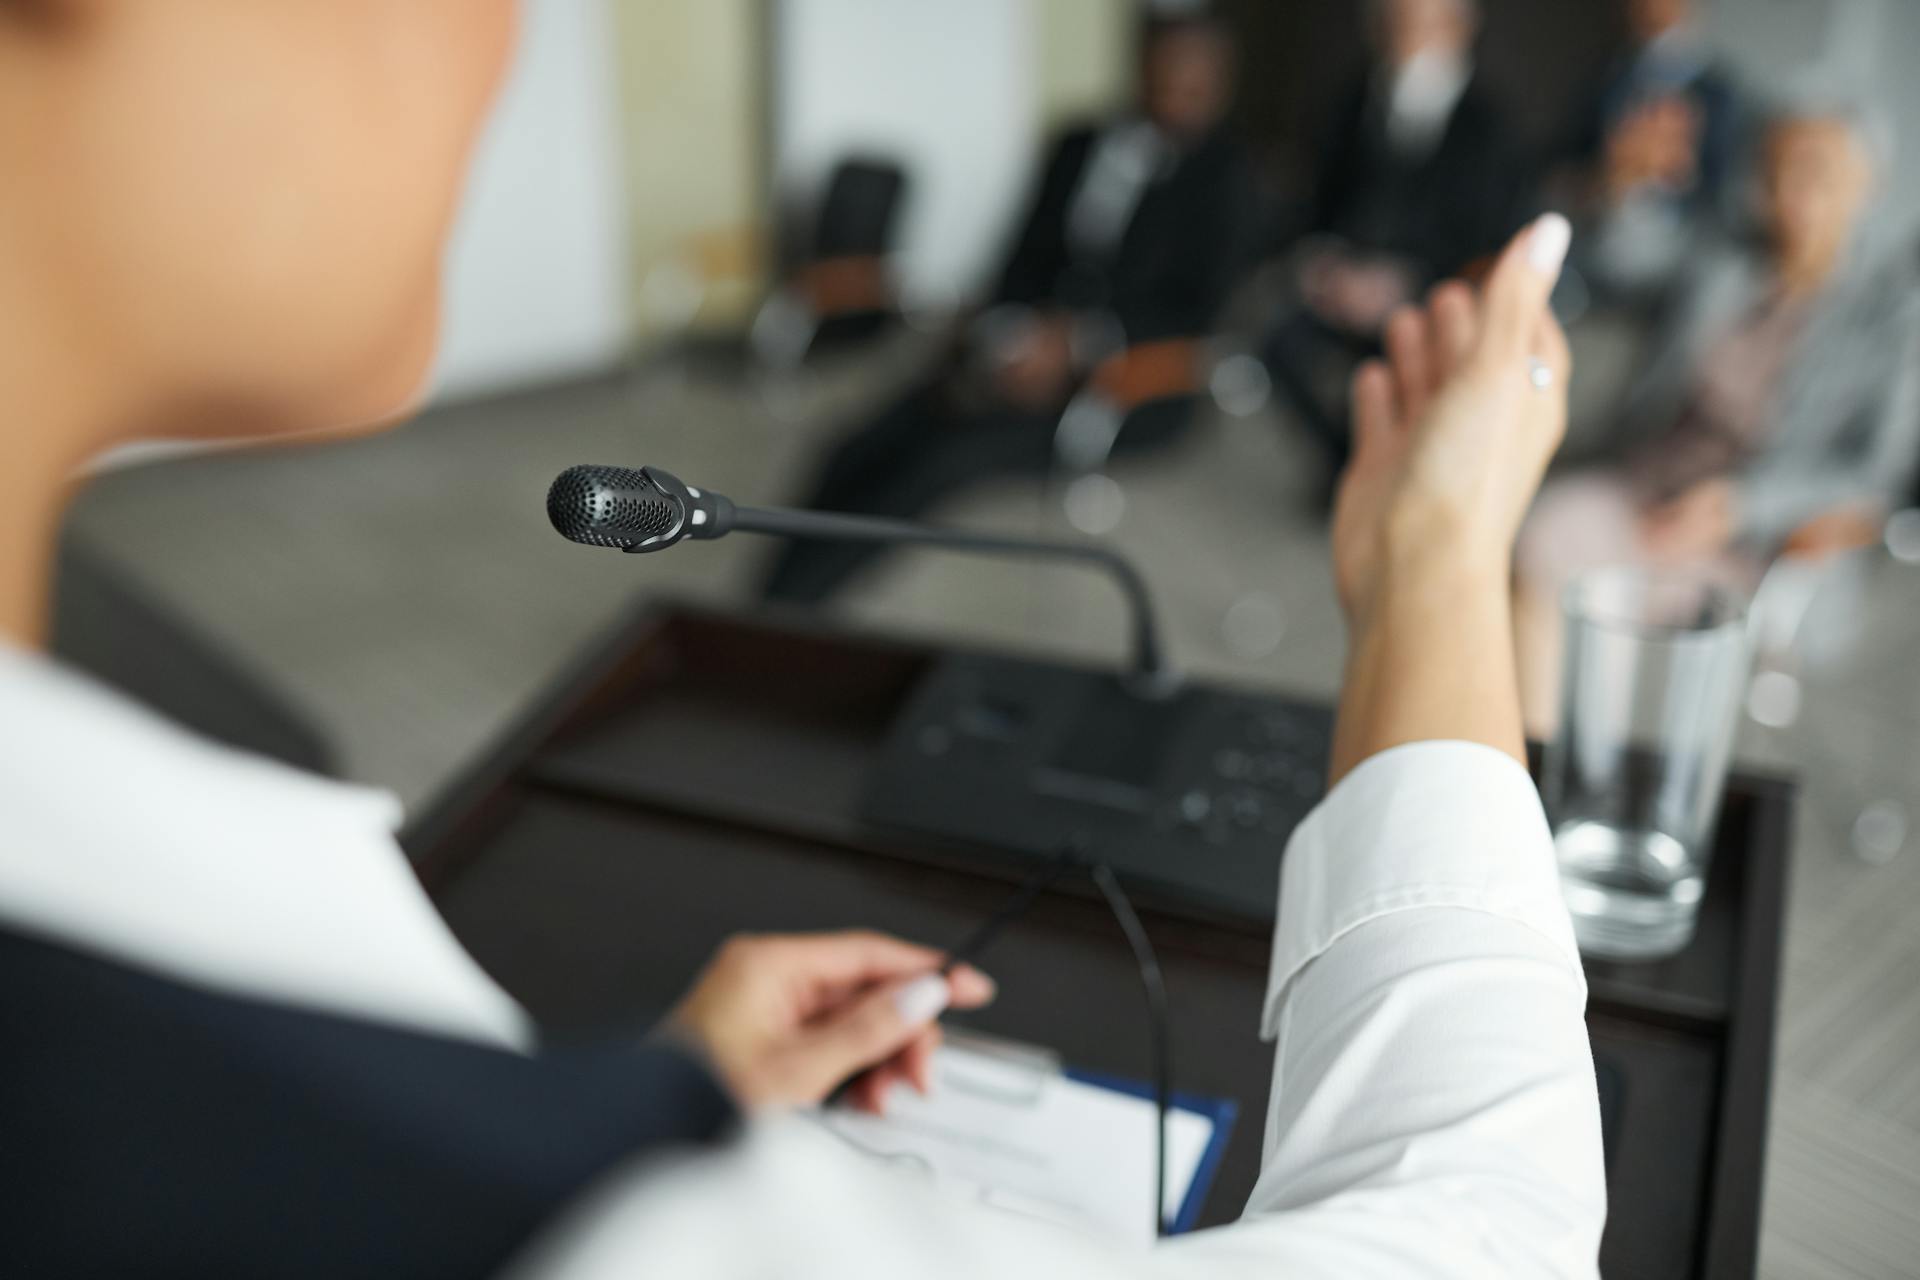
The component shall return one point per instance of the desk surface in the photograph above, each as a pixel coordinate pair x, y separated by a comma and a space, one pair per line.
700, 774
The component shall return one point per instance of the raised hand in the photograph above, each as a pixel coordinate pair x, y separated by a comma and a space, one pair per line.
1452, 434
1454, 430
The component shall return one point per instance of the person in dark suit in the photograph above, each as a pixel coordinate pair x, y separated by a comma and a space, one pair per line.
1419, 178
1133, 239
1667, 58
1647, 161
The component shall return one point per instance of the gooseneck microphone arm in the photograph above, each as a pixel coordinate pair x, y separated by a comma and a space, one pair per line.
645, 510
1148, 657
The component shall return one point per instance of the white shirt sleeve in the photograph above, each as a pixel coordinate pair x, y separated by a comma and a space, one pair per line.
1433, 1113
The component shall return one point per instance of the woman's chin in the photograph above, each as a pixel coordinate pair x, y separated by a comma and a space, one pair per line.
404, 380
376, 407
139, 449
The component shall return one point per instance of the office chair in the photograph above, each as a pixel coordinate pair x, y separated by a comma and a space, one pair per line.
840, 291
1125, 382
1081, 486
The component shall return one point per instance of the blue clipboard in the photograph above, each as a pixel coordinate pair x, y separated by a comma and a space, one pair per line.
1221, 1111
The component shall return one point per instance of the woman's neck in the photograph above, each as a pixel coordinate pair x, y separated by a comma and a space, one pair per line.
46, 436
33, 486
59, 394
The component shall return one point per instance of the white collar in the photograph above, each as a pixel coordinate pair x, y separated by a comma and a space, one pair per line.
124, 835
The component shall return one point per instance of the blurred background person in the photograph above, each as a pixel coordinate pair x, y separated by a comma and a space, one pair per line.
1418, 178
1787, 387
1135, 234
1649, 158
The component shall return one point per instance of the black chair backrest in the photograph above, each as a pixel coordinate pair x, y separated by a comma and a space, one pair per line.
860, 212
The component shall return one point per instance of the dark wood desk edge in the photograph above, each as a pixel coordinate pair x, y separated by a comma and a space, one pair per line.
470, 800
1732, 1245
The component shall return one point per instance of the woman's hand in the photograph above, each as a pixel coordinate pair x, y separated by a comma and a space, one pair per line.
1451, 438
784, 1020
1451, 434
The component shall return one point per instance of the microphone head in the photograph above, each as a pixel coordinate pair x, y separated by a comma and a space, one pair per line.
620, 507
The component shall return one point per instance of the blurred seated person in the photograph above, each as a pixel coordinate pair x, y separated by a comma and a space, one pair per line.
1648, 160
1418, 179
1131, 245
1787, 389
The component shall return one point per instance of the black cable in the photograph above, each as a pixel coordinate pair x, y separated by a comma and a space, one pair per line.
1014, 908
1156, 988
968, 950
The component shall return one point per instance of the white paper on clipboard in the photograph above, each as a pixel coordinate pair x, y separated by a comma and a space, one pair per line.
1005, 1127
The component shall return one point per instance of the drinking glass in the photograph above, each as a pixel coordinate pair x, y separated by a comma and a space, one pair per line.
1656, 663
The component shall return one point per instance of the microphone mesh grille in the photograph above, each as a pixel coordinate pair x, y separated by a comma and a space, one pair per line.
608, 507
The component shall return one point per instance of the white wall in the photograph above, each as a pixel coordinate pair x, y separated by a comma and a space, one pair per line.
946, 87
538, 279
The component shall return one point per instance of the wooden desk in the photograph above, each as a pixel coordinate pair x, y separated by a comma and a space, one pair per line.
731, 752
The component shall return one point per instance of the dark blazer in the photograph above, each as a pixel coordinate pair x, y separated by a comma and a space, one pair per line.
1188, 241
152, 1129
1459, 202
1713, 91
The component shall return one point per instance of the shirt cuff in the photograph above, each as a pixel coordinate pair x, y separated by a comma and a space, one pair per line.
1433, 824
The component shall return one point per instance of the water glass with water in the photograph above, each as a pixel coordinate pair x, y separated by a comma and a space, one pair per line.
1656, 665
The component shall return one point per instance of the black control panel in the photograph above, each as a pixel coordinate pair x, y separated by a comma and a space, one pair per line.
1190, 796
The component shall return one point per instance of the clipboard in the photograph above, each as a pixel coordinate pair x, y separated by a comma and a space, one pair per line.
1221, 1111
1007, 1126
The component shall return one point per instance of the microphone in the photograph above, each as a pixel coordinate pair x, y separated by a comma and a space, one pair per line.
633, 510
641, 510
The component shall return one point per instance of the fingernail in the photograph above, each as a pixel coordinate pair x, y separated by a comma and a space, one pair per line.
969, 975
922, 1000
1547, 246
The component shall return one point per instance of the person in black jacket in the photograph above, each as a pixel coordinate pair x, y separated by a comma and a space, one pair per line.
1419, 178
1667, 59
1646, 163
1133, 237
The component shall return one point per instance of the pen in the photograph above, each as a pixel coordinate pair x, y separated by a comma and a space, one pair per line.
975, 944
969, 949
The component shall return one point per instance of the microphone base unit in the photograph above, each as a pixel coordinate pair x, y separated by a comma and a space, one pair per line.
1189, 795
